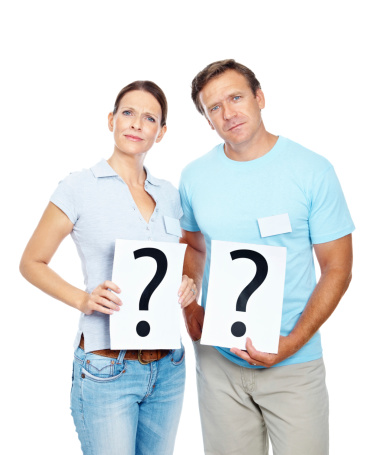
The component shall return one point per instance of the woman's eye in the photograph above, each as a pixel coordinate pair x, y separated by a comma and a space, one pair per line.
127, 112
151, 119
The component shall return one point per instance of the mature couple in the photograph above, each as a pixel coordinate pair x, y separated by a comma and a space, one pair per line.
129, 402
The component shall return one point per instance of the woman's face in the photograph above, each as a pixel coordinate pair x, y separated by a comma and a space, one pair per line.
137, 123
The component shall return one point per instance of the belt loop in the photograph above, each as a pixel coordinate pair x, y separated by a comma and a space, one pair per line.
121, 355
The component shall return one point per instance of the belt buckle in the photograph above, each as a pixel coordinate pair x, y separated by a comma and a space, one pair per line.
142, 361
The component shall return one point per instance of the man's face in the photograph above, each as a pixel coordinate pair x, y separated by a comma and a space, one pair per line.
232, 109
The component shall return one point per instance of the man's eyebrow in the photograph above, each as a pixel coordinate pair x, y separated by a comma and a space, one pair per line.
236, 93
230, 95
212, 105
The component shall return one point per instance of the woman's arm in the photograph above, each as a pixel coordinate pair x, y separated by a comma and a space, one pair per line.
53, 227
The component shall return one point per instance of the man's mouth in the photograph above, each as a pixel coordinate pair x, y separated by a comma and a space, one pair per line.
235, 126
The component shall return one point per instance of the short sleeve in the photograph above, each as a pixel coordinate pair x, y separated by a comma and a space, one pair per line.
329, 217
179, 210
188, 221
65, 197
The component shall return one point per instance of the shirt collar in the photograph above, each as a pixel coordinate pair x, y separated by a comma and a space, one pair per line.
103, 169
151, 179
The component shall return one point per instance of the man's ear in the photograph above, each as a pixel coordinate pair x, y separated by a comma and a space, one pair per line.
260, 97
210, 123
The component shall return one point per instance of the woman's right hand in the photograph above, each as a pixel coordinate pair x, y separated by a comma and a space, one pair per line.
102, 300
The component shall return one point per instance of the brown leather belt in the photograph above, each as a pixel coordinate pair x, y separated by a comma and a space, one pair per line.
144, 357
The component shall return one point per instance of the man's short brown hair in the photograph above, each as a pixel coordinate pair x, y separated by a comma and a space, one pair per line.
215, 69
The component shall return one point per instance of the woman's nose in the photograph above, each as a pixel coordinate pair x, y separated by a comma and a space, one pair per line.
136, 123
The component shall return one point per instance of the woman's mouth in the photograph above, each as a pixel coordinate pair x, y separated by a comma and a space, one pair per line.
133, 138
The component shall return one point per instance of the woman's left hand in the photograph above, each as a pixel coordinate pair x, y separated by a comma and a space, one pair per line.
187, 291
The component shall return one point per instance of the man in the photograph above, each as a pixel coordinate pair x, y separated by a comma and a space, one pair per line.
247, 396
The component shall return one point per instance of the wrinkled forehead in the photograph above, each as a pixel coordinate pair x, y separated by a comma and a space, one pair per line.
223, 86
142, 101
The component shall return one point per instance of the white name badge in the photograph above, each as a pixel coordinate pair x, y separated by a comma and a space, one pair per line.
274, 225
172, 226
149, 276
245, 295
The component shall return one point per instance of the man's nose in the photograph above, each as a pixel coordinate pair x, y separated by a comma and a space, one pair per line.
228, 112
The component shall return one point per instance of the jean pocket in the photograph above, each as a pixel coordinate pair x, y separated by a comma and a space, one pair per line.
177, 356
101, 369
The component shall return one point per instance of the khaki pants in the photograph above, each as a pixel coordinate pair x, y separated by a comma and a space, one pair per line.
241, 407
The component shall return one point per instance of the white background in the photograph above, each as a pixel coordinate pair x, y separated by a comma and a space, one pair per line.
63, 64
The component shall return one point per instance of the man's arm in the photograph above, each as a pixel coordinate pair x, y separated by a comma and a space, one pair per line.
194, 263
335, 260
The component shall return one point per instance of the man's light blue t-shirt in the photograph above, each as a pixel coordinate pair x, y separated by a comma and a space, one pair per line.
223, 199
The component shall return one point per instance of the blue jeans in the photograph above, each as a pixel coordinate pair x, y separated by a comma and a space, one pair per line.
121, 407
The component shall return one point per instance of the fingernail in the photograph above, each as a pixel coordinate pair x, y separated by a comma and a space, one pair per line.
179, 294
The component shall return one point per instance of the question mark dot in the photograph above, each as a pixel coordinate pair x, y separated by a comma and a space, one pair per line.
238, 329
143, 329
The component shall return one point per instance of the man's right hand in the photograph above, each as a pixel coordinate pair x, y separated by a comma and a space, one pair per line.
194, 320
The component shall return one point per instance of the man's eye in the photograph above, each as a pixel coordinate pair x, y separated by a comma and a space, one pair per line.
215, 108
237, 97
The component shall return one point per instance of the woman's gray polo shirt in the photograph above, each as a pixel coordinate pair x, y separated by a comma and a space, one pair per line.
99, 204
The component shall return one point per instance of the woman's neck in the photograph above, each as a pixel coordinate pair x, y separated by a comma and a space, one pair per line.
129, 168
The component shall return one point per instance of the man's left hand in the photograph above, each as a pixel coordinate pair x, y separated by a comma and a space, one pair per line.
255, 357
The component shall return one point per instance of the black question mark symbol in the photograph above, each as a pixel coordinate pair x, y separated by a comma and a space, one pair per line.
238, 329
143, 327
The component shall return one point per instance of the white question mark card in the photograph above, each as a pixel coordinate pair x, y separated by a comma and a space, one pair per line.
149, 276
245, 295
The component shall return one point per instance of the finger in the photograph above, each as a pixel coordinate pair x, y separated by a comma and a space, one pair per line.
245, 356
98, 300
259, 356
100, 308
111, 296
185, 297
183, 286
242, 354
188, 292
111, 285
188, 301
190, 297
252, 351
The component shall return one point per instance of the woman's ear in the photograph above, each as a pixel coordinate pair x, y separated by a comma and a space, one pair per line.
111, 121
161, 134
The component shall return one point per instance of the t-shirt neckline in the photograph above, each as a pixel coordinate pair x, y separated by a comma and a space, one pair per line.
273, 152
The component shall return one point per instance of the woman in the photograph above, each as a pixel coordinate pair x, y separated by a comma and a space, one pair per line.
123, 402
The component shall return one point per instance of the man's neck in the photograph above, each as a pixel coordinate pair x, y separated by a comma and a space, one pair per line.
253, 149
